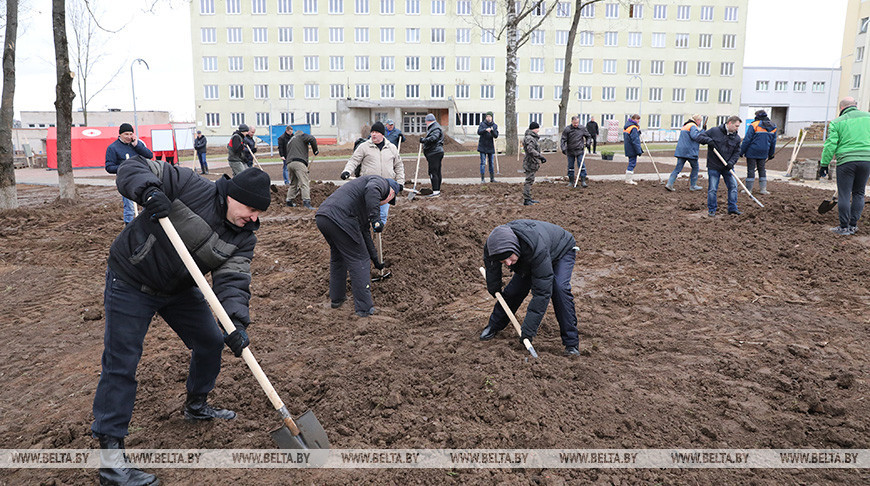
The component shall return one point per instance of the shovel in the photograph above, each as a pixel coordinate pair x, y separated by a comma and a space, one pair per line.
738, 179
653, 161
385, 274
513, 318
580, 169
413, 191
272, 187
306, 433
497, 170
828, 204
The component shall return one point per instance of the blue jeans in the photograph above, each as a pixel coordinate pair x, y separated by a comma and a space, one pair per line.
128, 209
385, 210
203, 165
693, 176
563, 301
578, 159
128, 316
632, 162
713, 187
286, 174
851, 183
486, 160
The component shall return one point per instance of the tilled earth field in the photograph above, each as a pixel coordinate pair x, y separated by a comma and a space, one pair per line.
731, 332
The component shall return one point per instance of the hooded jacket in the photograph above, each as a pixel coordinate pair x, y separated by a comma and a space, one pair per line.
374, 161
760, 141
143, 257
354, 206
688, 143
539, 244
433, 142
631, 139
728, 145
533, 159
574, 139
486, 142
848, 137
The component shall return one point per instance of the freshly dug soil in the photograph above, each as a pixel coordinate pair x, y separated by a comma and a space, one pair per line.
731, 332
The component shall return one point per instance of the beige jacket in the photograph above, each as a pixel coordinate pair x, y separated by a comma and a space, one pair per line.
385, 163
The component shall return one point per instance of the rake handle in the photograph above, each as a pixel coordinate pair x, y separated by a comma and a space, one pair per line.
735, 176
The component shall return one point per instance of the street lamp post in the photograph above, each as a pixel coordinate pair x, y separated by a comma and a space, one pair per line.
830, 88
640, 95
133, 84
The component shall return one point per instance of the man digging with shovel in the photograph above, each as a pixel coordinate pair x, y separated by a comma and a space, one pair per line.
541, 255
145, 276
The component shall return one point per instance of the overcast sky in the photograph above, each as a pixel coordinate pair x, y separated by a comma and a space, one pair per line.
780, 33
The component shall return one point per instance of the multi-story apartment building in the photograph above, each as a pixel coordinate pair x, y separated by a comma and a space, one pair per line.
338, 64
856, 43
795, 98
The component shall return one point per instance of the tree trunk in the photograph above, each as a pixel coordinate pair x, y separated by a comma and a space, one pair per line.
63, 102
510, 83
8, 191
569, 56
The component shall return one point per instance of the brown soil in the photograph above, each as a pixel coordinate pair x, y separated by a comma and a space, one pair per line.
733, 332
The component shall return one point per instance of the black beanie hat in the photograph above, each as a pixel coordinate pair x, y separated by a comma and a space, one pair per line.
534, 125
760, 114
251, 188
125, 127
379, 127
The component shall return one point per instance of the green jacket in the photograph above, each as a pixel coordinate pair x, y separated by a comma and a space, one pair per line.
848, 137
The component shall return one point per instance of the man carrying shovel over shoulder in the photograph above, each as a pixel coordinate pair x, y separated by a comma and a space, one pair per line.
541, 255
145, 275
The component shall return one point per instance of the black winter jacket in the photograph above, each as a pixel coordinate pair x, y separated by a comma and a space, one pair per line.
354, 206
143, 256
728, 145
199, 143
592, 128
433, 142
574, 140
541, 244
282, 145
486, 143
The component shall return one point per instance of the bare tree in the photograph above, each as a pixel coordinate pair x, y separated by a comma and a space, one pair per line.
8, 191
87, 51
569, 52
63, 102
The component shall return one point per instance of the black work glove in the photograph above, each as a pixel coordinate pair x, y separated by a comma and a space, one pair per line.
316, 152
543, 160
729, 167
378, 265
238, 339
345, 175
523, 338
770, 158
377, 226
823, 171
493, 290
157, 204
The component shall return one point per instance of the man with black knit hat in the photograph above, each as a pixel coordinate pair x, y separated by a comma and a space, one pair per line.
532, 162
758, 146
127, 145
237, 153
344, 220
541, 255
377, 156
145, 275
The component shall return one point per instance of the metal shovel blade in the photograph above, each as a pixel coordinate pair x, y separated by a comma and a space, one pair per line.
385, 276
311, 434
827, 205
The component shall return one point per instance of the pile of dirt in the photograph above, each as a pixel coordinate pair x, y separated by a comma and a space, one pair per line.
731, 332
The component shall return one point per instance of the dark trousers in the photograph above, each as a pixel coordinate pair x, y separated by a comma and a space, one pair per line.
851, 184
563, 301
434, 161
346, 256
128, 316
594, 143
202, 163
752, 165
578, 160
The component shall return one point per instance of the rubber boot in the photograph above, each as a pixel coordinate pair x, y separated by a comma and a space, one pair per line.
749, 183
571, 178
306, 203
116, 470
628, 176
762, 186
197, 408
583, 182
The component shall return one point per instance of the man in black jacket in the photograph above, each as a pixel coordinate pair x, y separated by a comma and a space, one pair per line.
726, 140
252, 148
199, 144
592, 128
573, 144
344, 220
236, 151
145, 275
541, 256
282, 151
433, 149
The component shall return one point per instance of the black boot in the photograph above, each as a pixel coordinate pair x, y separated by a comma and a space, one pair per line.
583, 181
118, 471
306, 203
196, 408
291, 204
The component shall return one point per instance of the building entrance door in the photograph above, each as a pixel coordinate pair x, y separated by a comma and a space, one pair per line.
414, 122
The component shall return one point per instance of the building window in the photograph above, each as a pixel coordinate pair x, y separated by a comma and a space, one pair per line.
563, 9
210, 92
706, 13
856, 81
388, 7
463, 36
702, 95
487, 64
285, 63
438, 7
285, 6
676, 121
361, 63
312, 118
608, 93
361, 35
285, 35
285, 91
336, 35
412, 63
487, 92
362, 91
412, 7
463, 63
261, 91
235, 64
412, 36
311, 63
263, 118
862, 25
437, 63
680, 68
487, 36
206, 7
634, 39
261, 35
258, 7
725, 96
536, 118
611, 11
237, 119
333, 116
559, 66
208, 35
586, 38
309, 7
657, 68
606, 117
584, 66
683, 12
587, 12
336, 91
388, 63
436, 92
438, 36
557, 93
729, 41
655, 95
658, 39
654, 122
462, 91
635, 11
234, 7
336, 63
336, 7
721, 119
584, 93
212, 119
609, 66
209, 64
859, 54
388, 91
681, 41
463, 7
611, 39
703, 68
234, 35
312, 91
536, 65
287, 118
780, 86
309, 35
536, 92
632, 93
633, 66
727, 69
800, 86
361, 7
488, 8
705, 41
412, 91
660, 12
388, 35
561, 37
537, 37
679, 95
730, 14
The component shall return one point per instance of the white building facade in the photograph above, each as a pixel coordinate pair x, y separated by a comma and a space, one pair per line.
856, 43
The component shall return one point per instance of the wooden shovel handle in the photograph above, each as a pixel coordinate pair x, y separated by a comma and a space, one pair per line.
255, 158
512, 317
223, 317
